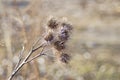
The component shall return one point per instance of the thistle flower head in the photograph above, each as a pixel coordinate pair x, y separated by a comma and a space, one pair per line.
64, 57
67, 26
59, 45
65, 31
49, 37
58, 35
63, 35
52, 23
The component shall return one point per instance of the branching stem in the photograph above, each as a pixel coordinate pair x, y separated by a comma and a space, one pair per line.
20, 65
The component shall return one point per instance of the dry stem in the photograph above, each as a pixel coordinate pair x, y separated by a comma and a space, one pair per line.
26, 60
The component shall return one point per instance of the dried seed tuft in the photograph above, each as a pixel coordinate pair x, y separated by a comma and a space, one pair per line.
65, 57
52, 23
49, 37
58, 34
67, 26
64, 35
59, 45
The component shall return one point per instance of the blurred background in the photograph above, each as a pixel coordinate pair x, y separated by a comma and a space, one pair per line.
94, 44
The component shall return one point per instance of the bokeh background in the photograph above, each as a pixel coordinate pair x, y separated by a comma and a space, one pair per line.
94, 44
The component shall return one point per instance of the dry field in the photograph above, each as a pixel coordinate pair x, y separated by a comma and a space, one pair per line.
94, 45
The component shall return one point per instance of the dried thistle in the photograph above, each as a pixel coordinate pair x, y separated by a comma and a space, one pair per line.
57, 39
64, 57
52, 23
65, 31
61, 35
58, 45
67, 26
49, 37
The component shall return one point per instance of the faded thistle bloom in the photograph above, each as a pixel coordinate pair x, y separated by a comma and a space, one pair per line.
59, 45
58, 34
65, 31
49, 37
64, 57
52, 23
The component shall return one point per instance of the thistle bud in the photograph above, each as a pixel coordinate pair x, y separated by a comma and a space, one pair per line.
49, 37
64, 57
52, 23
59, 45
58, 35
67, 26
63, 35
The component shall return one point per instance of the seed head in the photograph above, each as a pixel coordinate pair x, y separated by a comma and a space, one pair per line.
52, 23
67, 26
63, 35
59, 45
49, 37
65, 31
64, 57
58, 35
